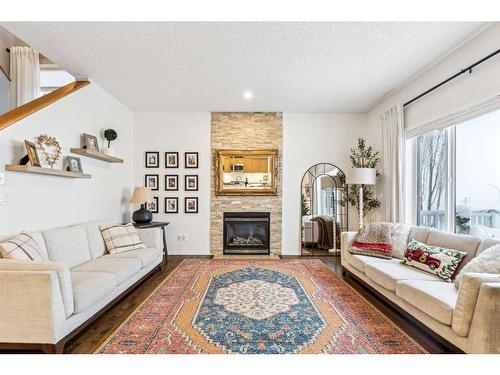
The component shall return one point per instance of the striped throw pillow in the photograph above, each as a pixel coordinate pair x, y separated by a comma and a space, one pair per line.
120, 238
22, 247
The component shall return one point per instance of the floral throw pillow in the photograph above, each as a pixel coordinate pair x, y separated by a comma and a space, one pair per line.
439, 261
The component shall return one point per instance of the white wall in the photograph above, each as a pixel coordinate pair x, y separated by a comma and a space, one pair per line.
311, 138
308, 138
40, 202
458, 94
179, 132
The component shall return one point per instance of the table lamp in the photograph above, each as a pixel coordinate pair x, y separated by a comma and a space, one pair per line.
142, 196
361, 176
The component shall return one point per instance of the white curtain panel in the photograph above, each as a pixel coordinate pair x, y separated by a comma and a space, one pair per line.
393, 158
25, 75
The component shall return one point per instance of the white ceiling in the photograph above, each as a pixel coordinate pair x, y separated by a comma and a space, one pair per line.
206, 66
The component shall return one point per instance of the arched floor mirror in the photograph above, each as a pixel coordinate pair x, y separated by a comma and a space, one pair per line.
323, 217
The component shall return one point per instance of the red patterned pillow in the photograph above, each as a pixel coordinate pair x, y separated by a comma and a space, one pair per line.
439, 261
373, 240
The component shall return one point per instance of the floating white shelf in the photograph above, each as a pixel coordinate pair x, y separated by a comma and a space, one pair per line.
96, 155
45, 171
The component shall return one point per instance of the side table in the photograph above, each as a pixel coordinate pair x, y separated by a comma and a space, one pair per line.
156, 224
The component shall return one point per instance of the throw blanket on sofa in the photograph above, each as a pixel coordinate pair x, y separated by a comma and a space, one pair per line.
325, 231
373, 240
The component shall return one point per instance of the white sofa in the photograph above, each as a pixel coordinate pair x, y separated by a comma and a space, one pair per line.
468, 318
44, 303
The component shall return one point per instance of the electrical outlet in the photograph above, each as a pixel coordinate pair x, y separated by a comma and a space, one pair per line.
184, 237
179, 236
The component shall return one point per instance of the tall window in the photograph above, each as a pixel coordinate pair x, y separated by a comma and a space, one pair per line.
432, 149
457, 177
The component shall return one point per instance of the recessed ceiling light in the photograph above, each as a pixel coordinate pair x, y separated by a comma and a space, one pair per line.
247, 94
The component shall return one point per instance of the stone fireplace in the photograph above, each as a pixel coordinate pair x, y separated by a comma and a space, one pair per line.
246, 233
246, 131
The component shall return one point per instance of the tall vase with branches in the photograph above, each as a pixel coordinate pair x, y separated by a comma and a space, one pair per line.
363, 157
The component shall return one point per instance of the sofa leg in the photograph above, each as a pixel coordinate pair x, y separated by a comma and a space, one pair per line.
53, 348
161, 266
345, 272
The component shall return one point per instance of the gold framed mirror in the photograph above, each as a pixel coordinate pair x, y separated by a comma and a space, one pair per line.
246, 172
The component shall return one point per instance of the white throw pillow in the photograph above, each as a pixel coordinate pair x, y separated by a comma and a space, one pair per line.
22, 247
486, 262
120, 238
399, 236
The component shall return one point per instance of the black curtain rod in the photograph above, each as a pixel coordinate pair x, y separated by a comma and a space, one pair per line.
463, 71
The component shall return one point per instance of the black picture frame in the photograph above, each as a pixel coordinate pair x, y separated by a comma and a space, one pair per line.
187, 210
167, 210
167, 186
167, 158
186, 184
156, 177
147, 160
187, 160
156, 203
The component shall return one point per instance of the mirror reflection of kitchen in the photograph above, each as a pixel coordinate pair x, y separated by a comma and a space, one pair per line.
247, 172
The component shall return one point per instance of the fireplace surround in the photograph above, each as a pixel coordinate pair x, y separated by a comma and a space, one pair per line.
246, 232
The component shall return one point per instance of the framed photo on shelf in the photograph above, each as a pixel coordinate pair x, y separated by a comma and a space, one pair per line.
190, 160
171, 182
152, 159
90, 142
151, 181
32, 154
74, 164
153, 206
171, 160
191, 205
191, 182
171, 205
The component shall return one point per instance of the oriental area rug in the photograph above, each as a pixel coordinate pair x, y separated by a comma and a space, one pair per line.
256, 307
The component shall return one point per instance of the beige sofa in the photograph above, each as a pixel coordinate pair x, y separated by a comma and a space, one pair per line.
43, 304
468, 318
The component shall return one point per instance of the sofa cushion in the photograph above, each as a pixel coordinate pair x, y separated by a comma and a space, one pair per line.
119, 238
90, 287
68, 245
22, 247
420, 234
96, 242
435, 298
487, 262
460, 242
388, 273
146, 256
439, 261
121, 268
359, 261
485, 244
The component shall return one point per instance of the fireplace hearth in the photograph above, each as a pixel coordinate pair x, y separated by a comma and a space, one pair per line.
246, 233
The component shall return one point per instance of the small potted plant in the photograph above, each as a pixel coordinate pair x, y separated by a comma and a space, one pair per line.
110, 135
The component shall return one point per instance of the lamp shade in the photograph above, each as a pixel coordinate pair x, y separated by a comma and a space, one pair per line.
362, 176
142, 195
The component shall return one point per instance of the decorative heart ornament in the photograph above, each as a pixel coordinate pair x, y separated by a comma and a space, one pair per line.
50, 148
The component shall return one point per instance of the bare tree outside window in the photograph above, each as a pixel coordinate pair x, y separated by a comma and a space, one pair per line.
432, 153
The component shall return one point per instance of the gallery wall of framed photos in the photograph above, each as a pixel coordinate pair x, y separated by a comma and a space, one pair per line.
174, 187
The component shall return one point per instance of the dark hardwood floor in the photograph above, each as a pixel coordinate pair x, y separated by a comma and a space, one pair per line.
90, 338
